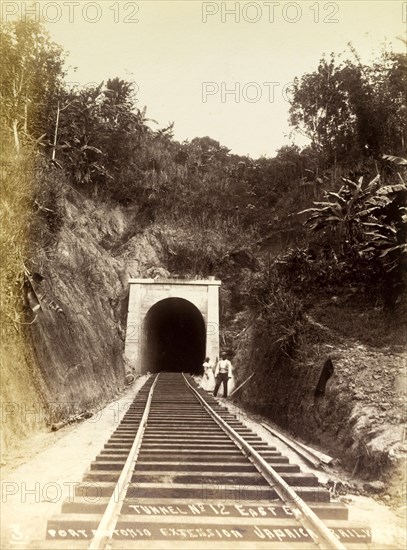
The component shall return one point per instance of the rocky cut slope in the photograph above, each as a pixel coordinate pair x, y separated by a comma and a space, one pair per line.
341, 387
77, 292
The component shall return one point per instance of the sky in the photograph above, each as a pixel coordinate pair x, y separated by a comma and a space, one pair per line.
221, 69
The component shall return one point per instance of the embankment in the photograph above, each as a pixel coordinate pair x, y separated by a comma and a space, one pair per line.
67, 358
341, 394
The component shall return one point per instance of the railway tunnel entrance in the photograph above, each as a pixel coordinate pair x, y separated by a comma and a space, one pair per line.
174, 337
172, 324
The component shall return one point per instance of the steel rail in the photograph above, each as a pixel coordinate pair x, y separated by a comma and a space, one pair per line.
320, 457
308, 456
110, 516
301, 511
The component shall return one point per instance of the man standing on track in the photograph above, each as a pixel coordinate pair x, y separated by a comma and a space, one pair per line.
223, 372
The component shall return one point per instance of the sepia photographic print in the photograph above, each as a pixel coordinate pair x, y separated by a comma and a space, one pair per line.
203, 274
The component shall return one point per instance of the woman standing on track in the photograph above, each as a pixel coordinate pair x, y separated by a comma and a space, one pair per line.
208, 378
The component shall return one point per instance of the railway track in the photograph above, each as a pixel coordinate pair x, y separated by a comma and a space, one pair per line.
181, 472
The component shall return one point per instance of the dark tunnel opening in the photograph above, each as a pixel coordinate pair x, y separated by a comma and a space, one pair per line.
175, 337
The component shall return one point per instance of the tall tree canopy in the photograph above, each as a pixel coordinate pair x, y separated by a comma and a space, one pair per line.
30, 79
348, 109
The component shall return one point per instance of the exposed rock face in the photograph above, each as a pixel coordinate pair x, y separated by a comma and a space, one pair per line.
81, 283
357, 416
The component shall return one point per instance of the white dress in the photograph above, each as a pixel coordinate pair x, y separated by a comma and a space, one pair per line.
208, 378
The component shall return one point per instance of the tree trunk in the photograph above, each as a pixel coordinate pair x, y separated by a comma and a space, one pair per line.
26, 116
54, 148
15, 133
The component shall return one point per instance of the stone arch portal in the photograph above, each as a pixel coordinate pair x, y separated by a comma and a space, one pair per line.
172, 324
